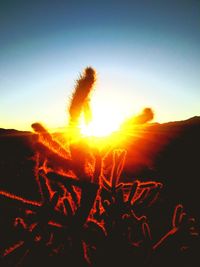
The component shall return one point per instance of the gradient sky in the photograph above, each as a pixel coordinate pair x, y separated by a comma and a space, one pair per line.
146, 53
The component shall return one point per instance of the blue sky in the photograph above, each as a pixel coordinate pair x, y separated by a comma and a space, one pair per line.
146, 53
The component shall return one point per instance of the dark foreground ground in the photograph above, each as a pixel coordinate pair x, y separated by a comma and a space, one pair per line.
69, 224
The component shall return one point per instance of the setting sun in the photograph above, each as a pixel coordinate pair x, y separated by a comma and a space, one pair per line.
104, 122
100, 126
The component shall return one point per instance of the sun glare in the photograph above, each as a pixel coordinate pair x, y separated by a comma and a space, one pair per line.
103, 123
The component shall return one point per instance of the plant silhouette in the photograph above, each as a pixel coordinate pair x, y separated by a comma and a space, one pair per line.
86, 215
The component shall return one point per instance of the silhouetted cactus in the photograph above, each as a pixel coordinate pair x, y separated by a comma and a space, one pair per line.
81, 96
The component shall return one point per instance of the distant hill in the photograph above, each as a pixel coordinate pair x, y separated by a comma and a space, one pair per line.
168, 152
157, 142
